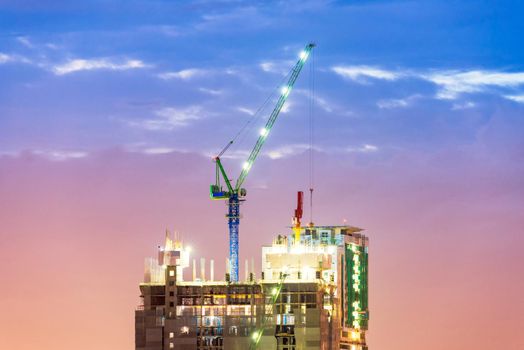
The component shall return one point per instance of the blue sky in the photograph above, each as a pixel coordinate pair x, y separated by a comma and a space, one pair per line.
110, 111
157, 76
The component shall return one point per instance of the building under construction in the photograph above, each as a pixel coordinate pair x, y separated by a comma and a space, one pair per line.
312, 293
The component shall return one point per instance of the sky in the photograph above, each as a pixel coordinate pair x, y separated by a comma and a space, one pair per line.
110, 112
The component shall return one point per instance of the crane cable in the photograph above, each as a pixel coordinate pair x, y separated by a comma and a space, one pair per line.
311, 136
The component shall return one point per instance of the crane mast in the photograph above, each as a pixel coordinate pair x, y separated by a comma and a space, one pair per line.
236, 194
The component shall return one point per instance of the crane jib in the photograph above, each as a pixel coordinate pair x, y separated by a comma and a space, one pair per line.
273, 117
216, 191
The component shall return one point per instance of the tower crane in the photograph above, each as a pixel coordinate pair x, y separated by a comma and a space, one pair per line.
235, 194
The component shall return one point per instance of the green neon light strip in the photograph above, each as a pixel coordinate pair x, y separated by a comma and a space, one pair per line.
357, 286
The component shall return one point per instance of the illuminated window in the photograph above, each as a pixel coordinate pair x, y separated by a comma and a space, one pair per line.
171, 273
171, 335
171, 345
184, 330
233, 330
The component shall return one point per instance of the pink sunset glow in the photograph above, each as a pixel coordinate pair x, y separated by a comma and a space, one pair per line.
445, 233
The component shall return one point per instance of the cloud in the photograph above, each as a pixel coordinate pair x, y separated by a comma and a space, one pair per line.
158, 150
167, 30
230, 154
4, 58
461, 106
231, 71
392, 103
319, 101
280, 67
245, 110
294, 149
52, 46
211, 91
234, 154
184, 74
190, 73
242, 18
266, 66
49, 154
170, 118
151, 149
516, 98
366, 148
60, 155
95, 64
361, 74
454, 83
322, 103
25, 41
286, 107
286, 151
450, 83
397, 103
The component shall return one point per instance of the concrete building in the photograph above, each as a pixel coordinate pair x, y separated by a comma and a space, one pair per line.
312, 294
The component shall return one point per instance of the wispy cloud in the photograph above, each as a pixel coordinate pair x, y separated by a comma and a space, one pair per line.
239, 18
245, 110
25, 41
516, 98
286, 151
463, 105
295, 149
170, 118
4, 58
362, 74
184, 74
211, 91
60, 155
266, 66
167, 30
78, 65
286, 108
366, 148
280, 67
318, 101
454, 83
52, 46
8, 58
151, 149
230, 154
397, 102
49, 154
450, 83
322, 103
158, 150
392, 103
